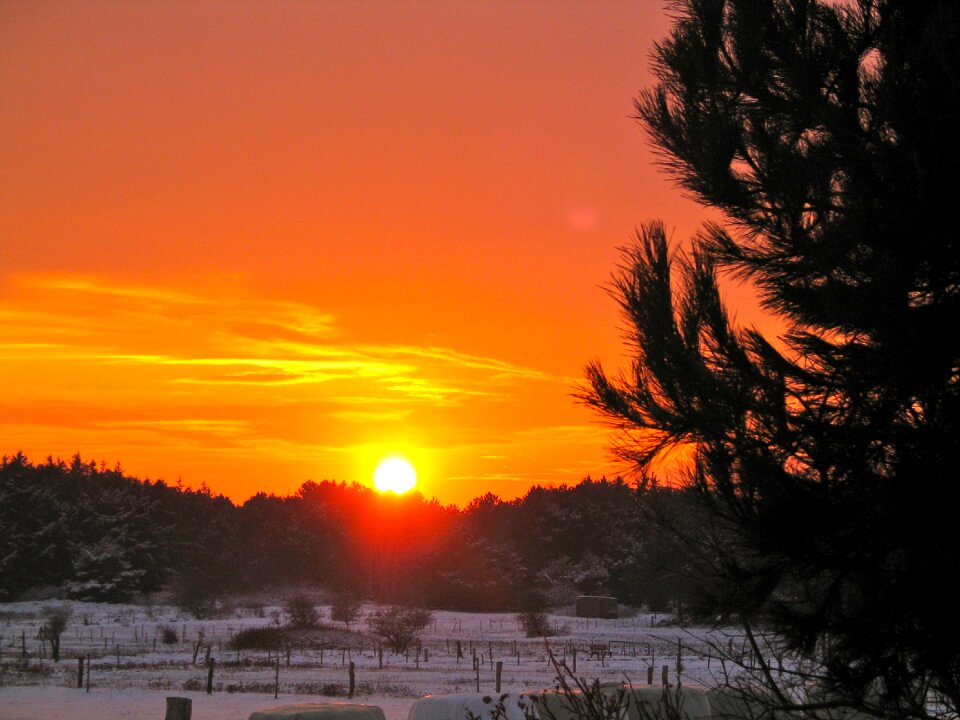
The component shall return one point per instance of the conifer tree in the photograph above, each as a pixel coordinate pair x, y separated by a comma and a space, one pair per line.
826, 135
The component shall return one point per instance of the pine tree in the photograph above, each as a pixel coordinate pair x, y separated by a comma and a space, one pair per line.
826, 136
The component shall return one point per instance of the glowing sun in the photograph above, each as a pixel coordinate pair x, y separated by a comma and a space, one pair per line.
394, 474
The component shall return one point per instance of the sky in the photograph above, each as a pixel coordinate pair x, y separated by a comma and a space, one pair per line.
249, 244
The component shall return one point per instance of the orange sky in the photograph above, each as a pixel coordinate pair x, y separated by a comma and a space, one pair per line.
255, 243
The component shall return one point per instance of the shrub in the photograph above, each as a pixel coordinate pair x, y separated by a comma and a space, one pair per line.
262, 638
346, 607
535, 623
55, 622
168, 636
301, 612
399, 626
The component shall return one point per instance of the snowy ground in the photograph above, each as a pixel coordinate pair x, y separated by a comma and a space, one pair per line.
133, 671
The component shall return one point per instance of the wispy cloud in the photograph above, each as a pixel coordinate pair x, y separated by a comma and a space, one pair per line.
222, 376
233, 339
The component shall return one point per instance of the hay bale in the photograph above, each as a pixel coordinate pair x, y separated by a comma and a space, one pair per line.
506, 706
687, 703
561, 705
597, 606
321, 711
733, 703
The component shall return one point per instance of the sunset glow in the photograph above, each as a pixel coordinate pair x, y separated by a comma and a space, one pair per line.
249, 244
395, 474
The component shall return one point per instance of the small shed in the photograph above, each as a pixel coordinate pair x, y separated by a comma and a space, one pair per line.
597, 606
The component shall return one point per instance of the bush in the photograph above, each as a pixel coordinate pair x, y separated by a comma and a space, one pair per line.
346, 607
535, 623
55, 622
194, 592
168, 636
301, 612
399, 626
262, 638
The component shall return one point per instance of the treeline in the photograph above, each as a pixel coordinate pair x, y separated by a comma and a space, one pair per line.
85, 531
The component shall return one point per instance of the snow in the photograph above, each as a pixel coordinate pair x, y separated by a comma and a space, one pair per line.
48, 703
134, 682
484, 706
320, 711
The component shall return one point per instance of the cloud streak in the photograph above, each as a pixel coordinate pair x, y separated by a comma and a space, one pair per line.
224, 374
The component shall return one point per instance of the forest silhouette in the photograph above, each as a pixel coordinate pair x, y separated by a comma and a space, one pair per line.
84, 531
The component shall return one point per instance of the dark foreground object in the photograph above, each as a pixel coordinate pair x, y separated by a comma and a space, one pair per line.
179, 708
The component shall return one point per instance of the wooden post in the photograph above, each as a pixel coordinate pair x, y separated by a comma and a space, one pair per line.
179, 708
210, 665
380, 656
573, 652
499, 674
353, 680
665, 676
650, 675
477, 666
80, 673
89, 671
679, 660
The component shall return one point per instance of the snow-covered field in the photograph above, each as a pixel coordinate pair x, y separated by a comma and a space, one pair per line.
133, 671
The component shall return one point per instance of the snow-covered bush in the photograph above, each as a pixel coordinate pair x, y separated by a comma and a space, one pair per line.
301, 612
399, 626
54, 623
535, 623
346, 607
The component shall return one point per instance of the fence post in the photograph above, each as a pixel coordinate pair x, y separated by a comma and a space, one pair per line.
179, 708
650, 675
353, 680
679, 660
210, 665
80, 673
665, 676
499, 673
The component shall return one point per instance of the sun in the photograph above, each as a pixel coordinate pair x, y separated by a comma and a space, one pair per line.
394, 474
